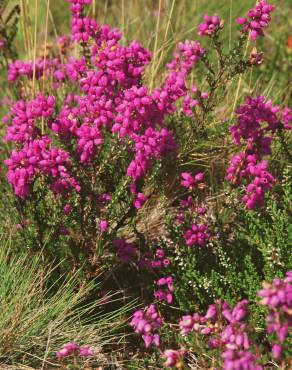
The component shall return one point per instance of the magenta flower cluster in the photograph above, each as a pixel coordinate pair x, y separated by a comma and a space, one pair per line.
109, 99
197, 235
194, 233
73, 349
23, 118
245, 167
166, 288
163, 293
210, 26
231, 335
259, 18
225, 328
173, 357
194, 98
160, 260
277, 296
258, 121
146, 322
39, 157
190, 181
126, 251
153, 261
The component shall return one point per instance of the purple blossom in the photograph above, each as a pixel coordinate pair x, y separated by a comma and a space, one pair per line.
139, 200
166, 289
259, 18
68, 349
39, 157
146, 322
86, 351
126, 251
22, 127
172, 357
192, 181
103, 225
210, 26
197, 235
277, 296
240, 360
73, 348
67, 209
258, 120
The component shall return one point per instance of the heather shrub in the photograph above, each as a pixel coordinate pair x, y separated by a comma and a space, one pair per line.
238, 259
179, 197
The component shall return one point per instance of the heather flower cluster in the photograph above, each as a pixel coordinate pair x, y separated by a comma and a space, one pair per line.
277, 296
126, 251
164, 293
225, 328
166, 288
210, 26
190, 181
111, 100
194, 233
154, 261
39, 157
73, 349
259, 18
23, 116
197, 235
173, 357
160, 260
231, 335
258, 122
146, 322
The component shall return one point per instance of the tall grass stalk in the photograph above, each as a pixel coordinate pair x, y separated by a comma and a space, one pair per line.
155, 44
35, 47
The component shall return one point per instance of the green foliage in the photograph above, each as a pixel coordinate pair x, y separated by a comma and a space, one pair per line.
271, 231
247, 248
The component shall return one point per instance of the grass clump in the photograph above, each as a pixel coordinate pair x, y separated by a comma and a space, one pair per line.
40, 313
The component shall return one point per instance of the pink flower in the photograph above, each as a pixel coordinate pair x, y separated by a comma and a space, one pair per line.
67, 209
68, 349
210, 26
160, 253
277, 351
172, 357
189, 181
145, 322
259, 18
103, 225
140, 200
166, 289
62, 353
86, 351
